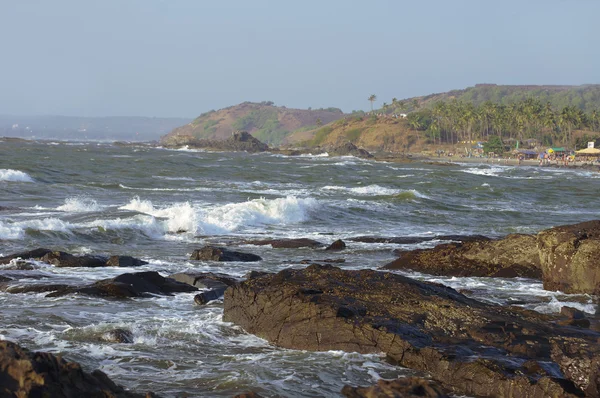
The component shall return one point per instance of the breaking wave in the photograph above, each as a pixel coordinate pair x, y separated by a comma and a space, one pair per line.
14, 176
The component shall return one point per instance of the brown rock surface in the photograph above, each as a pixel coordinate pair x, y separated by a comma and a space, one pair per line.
38, 374
408, 387
285, 243
63, 259
469, 347
213, 253
512, 256
570, 257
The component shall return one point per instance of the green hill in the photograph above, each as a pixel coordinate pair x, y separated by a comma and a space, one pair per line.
266, 122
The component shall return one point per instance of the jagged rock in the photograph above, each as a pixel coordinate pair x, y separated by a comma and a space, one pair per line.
423, 326
408, 387
239, 141
570, 257
63, 259
204, 280
572, 313
285, 243
38, 374
256, 274
212, 253
210, 295
123, 336
139, 284
338, 245
515, 255
411, 240
348, 149
124, 261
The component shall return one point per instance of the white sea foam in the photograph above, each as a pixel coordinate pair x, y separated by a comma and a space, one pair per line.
234, 216
179, 216
376, 190
493, 171
79, 204
14, 176
17, 230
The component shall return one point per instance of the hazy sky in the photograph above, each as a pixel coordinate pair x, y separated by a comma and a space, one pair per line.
184, 57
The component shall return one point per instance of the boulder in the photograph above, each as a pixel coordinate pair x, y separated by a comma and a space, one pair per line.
570, 257
213, 253
338, 245
38, 374
407, 387
286, 243
209, 295
469, 347
515, 255
204, 280
348, 149
122, 336
63, 259
412, 240
139, 284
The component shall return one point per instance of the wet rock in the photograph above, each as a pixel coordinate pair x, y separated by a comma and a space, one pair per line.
37, 288
213, 253
338, 245
124, 261
5, 279
63, 259
210, 295
122, 336
411, 240
139, 284
32, 254
239, 141
572, 313
348, 149
286, 243
38, 374
408, 387
469, 347
326, 261
204, 280
570, 257
512, 256
256, 274
250, 394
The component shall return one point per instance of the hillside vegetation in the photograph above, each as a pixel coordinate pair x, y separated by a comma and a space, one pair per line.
266, 122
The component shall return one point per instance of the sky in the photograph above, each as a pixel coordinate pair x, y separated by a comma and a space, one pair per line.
180, 58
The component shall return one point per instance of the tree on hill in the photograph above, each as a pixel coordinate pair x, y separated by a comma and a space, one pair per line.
372, 98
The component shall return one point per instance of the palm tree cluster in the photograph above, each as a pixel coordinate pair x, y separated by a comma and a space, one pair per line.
453, 121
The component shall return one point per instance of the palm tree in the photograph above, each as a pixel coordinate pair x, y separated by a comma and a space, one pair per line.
372, 98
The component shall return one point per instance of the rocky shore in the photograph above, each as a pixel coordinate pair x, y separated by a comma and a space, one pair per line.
455, 344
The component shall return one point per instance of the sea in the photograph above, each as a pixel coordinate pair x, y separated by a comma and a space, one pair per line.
160, 204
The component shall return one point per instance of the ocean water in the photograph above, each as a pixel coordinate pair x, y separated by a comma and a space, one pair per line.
159, 205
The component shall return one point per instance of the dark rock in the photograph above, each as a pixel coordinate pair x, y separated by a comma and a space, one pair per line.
579, 323
37, 288
123, 336
286, 243
250, 394
239, 141
327, 261
204, 280
210, 295
411, 240
38, 374
139, 284
33, 254
256, 274
408, 387
63, 259
338, 245
212, 253
570, 257
5, 279
469, 347
348, 149
572, 313
513, 256
124, 261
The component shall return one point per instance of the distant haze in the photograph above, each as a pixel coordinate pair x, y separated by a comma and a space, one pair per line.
180, 58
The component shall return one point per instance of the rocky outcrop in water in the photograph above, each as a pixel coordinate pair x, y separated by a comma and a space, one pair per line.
38, 374
467, 346
119, 335
63, 259
512, 256
411, 240
570, 257
285, 243
408, 387
213, 253
240, 141
338, 245
348, 149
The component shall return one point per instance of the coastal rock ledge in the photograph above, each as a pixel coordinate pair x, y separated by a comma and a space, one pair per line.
469, 347
39, 374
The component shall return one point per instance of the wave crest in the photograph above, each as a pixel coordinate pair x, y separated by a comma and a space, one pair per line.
14, 176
